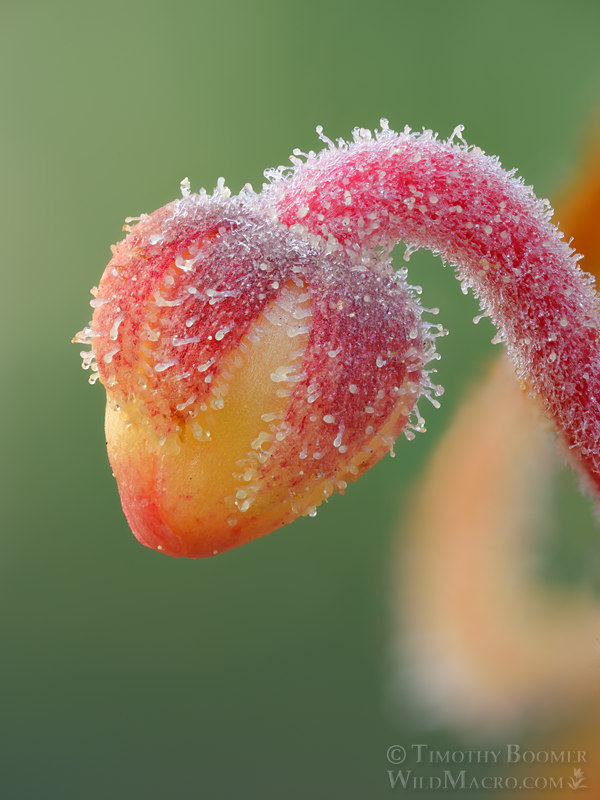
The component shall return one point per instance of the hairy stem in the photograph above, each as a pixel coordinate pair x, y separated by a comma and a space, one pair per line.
457, 202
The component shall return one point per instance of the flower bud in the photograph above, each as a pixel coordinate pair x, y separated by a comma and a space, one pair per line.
259, 352
250, 373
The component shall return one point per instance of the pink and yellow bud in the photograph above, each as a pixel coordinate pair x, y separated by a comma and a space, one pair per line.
249, 373
258, 352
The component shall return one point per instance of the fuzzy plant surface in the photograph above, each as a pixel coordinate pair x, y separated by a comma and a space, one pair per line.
259, 351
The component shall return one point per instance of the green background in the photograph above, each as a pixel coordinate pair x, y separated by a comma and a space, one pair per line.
262, 673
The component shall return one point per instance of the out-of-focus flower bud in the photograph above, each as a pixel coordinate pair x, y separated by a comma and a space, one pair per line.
249, 372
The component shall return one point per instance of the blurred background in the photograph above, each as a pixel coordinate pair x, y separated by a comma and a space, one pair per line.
265, 672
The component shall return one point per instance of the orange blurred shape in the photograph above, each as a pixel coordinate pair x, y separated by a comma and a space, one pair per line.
488, 646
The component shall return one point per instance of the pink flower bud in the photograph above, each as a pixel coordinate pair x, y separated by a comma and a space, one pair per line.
249, 373
258, 352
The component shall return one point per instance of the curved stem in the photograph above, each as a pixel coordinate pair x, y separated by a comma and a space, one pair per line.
460, 203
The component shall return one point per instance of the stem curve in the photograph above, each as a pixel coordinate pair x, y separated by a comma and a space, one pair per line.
461, 204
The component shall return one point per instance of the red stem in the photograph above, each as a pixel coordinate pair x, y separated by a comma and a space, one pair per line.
460, 203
